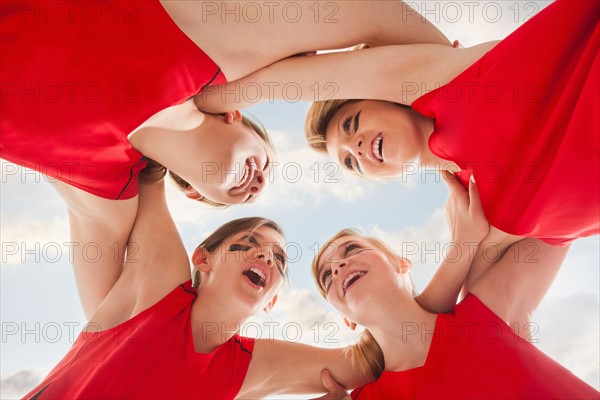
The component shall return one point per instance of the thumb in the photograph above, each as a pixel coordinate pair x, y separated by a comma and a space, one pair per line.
336, 391
329, 383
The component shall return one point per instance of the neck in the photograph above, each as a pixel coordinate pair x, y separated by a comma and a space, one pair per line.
214, 322
167, 134
426, 126
405, 334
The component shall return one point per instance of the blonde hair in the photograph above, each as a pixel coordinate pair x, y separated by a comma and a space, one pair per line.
154, 171
225, 231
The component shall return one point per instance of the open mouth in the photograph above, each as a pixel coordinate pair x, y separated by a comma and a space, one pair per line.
377, 147
256, 276
351, 279
247, 176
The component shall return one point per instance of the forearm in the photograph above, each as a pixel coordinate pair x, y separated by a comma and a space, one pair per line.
392, 73
98, 253
443, 289
405, 25
280, 367
99, 231
490, 251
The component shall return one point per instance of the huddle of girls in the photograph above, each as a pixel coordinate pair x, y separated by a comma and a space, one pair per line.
371, 128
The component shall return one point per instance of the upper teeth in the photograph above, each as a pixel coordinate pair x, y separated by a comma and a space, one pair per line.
349, 278
246, 174
258, 272
375, 148
248, 169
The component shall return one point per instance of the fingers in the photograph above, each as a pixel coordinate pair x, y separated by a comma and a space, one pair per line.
456, 188
232, 116
474, 200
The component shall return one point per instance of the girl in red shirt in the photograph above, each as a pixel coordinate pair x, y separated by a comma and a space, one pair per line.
478, 349
156, 335
520, 115
88, 88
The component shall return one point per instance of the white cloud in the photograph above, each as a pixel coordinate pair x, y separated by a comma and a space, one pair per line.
16, 385
569, 333
301, 316
304, 175
25, 238
424, 245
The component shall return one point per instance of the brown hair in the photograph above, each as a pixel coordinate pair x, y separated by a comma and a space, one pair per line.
318, 117
225, 231
155, 171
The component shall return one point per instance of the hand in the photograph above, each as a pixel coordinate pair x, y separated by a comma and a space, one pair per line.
336, 391
465, 216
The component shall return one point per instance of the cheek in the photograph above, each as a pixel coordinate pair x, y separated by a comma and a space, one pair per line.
335, 303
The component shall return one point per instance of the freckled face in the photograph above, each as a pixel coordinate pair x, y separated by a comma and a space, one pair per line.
376, 139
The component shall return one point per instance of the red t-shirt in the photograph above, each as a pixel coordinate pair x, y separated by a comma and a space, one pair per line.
524, 120
78, 77
150, 356
475, 355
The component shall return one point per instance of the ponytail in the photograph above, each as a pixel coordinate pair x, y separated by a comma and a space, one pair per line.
367, 355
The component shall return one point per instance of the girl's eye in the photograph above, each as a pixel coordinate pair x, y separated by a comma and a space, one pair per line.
281, 259
325, 280
351, 247
346, 124
281, 264
348, 163
239, 247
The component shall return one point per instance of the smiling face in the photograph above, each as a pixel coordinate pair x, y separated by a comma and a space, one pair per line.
352, 270
375, 139
235, 163
248, 268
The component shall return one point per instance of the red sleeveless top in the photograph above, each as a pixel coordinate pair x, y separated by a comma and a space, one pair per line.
78, 77
475, 355
149, 356
524, 121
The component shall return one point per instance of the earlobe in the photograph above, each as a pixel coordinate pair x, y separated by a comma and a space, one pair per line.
349, 324
200, 261
405, 265
191, 193
271, 304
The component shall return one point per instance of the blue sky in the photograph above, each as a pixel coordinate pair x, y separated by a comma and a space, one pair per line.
39, 308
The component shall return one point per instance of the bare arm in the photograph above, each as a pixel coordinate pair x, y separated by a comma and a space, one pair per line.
399, 74
99, 230
468, 226
288, 27
514, 286
280, 367
159, 264
490, 251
